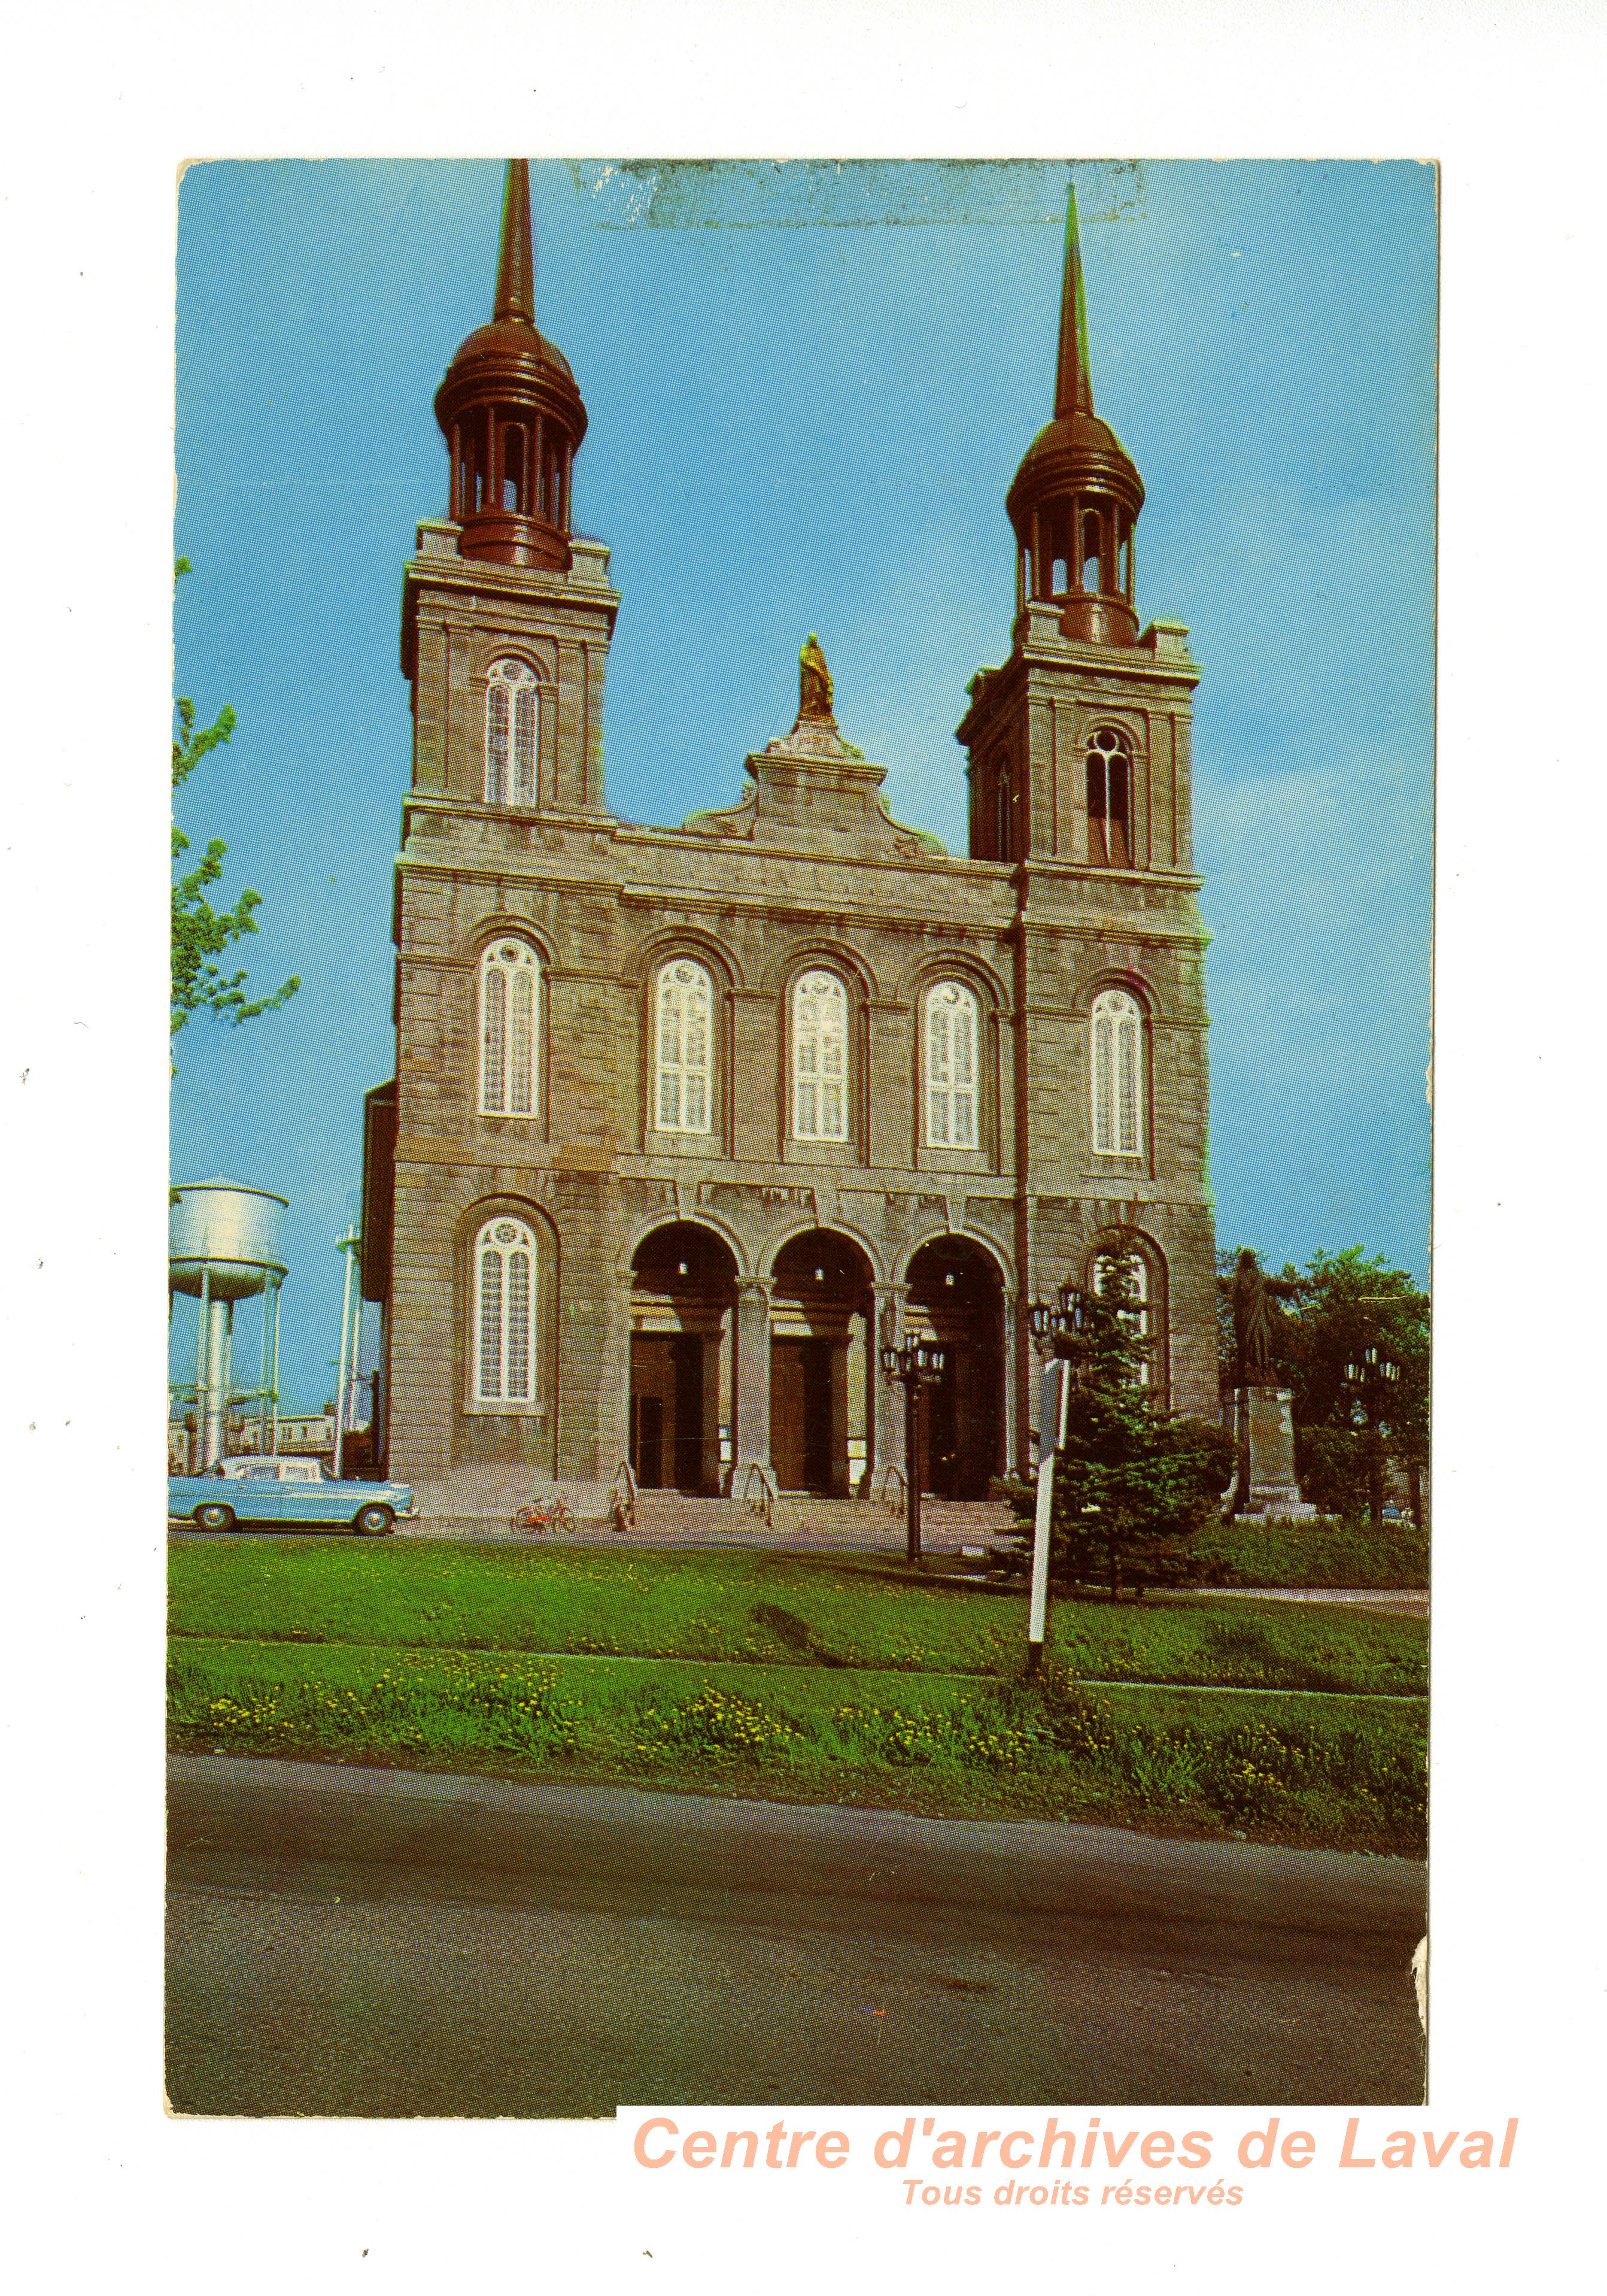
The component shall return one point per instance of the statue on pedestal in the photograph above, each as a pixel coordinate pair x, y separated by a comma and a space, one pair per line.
1266, 1484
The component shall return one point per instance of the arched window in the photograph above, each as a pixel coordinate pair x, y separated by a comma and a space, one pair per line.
1110, 780
1118, 1075
683, 1053
503, 1339
510, 728
951, 1034
820, 1056
511, 1001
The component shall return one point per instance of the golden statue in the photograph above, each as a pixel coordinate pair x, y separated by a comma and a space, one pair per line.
815, 684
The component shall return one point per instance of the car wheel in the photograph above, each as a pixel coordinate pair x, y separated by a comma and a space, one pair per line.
214, 1516
374, 1522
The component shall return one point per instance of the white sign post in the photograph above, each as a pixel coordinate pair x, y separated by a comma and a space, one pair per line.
1053, 1399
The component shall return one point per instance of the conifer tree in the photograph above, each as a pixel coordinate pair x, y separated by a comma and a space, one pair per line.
1135, 1486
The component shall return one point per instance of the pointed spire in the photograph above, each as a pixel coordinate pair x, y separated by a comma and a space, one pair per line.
516, 259
1073, 371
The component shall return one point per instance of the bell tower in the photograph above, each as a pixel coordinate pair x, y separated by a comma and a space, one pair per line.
1079, 761
507, 613
1078, 749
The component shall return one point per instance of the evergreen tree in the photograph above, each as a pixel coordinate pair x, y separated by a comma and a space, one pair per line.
1135, 1486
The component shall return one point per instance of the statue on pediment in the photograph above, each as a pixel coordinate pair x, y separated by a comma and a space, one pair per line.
815, 684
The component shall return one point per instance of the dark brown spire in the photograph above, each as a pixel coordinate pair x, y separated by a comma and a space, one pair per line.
1074, 372
516, 259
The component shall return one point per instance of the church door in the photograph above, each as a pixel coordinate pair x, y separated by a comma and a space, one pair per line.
801, 1414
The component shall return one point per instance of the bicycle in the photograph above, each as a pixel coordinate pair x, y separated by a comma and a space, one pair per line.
553, 1513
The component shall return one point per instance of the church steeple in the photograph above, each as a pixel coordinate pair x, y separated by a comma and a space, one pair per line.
512, 416
516, 251
1074, 369
1076, 498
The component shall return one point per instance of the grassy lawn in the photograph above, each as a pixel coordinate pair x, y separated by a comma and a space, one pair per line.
762, 1609
804, 1679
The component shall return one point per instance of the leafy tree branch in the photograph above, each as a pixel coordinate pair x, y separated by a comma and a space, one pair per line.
200, 933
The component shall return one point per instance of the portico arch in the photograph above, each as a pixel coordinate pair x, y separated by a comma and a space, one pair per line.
822, 1334
957, 1296
682, 1409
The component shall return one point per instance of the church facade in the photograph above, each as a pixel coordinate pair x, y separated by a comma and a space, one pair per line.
686, 1124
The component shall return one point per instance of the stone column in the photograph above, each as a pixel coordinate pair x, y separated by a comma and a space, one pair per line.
752, 1383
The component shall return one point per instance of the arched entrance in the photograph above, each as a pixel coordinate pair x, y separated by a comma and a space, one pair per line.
682, 1291
820, 1395
957, 1296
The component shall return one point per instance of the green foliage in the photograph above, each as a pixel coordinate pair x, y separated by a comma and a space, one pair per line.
201, 934
1134, 1487
1250, 1551
1344, 1304
1336, 1770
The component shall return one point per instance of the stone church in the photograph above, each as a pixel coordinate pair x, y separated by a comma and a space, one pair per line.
688, 1123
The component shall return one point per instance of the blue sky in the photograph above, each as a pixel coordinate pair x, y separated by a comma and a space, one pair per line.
809, 388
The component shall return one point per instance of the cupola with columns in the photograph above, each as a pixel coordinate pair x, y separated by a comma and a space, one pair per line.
511, 415
1076, 500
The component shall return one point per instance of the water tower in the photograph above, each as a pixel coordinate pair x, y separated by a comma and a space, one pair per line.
224, 1245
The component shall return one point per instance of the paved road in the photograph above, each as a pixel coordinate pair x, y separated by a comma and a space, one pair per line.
361, 1941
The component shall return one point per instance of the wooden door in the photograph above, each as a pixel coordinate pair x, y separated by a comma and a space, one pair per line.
786, 1411
800, 1420
647, 1440
686, 1363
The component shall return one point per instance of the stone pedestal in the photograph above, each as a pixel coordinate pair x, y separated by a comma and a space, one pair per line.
1266, 1485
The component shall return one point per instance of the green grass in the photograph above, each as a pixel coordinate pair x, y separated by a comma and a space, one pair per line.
805, 1679
1299, 1769
1320, 1554
830, 1616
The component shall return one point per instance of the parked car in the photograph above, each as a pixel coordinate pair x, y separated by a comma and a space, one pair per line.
255, 1490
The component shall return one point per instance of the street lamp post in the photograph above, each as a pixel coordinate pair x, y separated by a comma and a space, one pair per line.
1064, 1329
1372, 1379
350, 1243
917, 1364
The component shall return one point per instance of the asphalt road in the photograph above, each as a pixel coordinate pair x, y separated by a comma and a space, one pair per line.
344, 1940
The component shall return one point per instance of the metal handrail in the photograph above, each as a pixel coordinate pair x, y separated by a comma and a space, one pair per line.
622, 1497
765, 1503
894, 1490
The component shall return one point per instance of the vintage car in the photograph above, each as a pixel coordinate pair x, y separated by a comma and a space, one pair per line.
256, 1490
